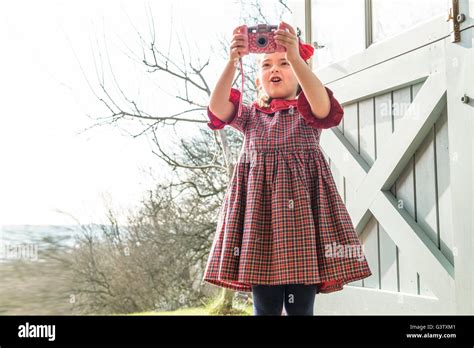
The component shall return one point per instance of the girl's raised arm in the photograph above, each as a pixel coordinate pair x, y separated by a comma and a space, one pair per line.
219, 103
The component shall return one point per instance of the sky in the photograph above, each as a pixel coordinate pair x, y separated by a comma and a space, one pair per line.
50, 50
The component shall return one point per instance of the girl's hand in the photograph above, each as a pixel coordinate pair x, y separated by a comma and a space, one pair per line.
237, 46
289, 40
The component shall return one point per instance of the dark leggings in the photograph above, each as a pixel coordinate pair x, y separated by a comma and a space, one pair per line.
297, 298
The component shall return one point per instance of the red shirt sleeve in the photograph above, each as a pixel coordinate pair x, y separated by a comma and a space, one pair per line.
333, 119
239, 123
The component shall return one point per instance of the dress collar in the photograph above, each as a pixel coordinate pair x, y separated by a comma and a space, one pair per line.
277, 105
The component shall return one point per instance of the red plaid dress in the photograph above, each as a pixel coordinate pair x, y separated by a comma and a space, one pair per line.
282, 220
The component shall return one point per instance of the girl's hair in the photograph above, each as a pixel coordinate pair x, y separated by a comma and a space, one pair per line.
263, 99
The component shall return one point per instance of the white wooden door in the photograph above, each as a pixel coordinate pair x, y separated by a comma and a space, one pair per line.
403, 162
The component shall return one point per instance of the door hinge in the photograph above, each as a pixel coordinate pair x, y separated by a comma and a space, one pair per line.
456, 19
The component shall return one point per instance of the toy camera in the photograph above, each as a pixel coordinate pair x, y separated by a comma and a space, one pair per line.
260, 39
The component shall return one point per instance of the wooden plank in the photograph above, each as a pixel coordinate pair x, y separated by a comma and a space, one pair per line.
400, 103
370, 241
351, 125
444, 187
338, 179
388, 261
406, 189
325, 155
426, 211
408, 276
425, 184
340, 126
383, 121
350, 191
405, 195
415, 88
351, 195
367, 130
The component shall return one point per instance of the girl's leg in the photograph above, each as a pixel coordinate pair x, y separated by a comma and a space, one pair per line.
299, 299
268, 299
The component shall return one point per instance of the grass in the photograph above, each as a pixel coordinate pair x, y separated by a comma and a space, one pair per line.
208, 309
193, 311
34, 288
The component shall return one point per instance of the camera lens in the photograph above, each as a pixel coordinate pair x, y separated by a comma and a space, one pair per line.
262, 41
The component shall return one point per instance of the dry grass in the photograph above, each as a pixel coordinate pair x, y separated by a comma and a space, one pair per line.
199, 311
34, 288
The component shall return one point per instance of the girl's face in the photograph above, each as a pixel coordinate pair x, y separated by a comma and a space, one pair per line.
276, 77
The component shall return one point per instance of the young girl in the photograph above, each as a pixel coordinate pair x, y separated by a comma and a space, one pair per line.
283, 231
